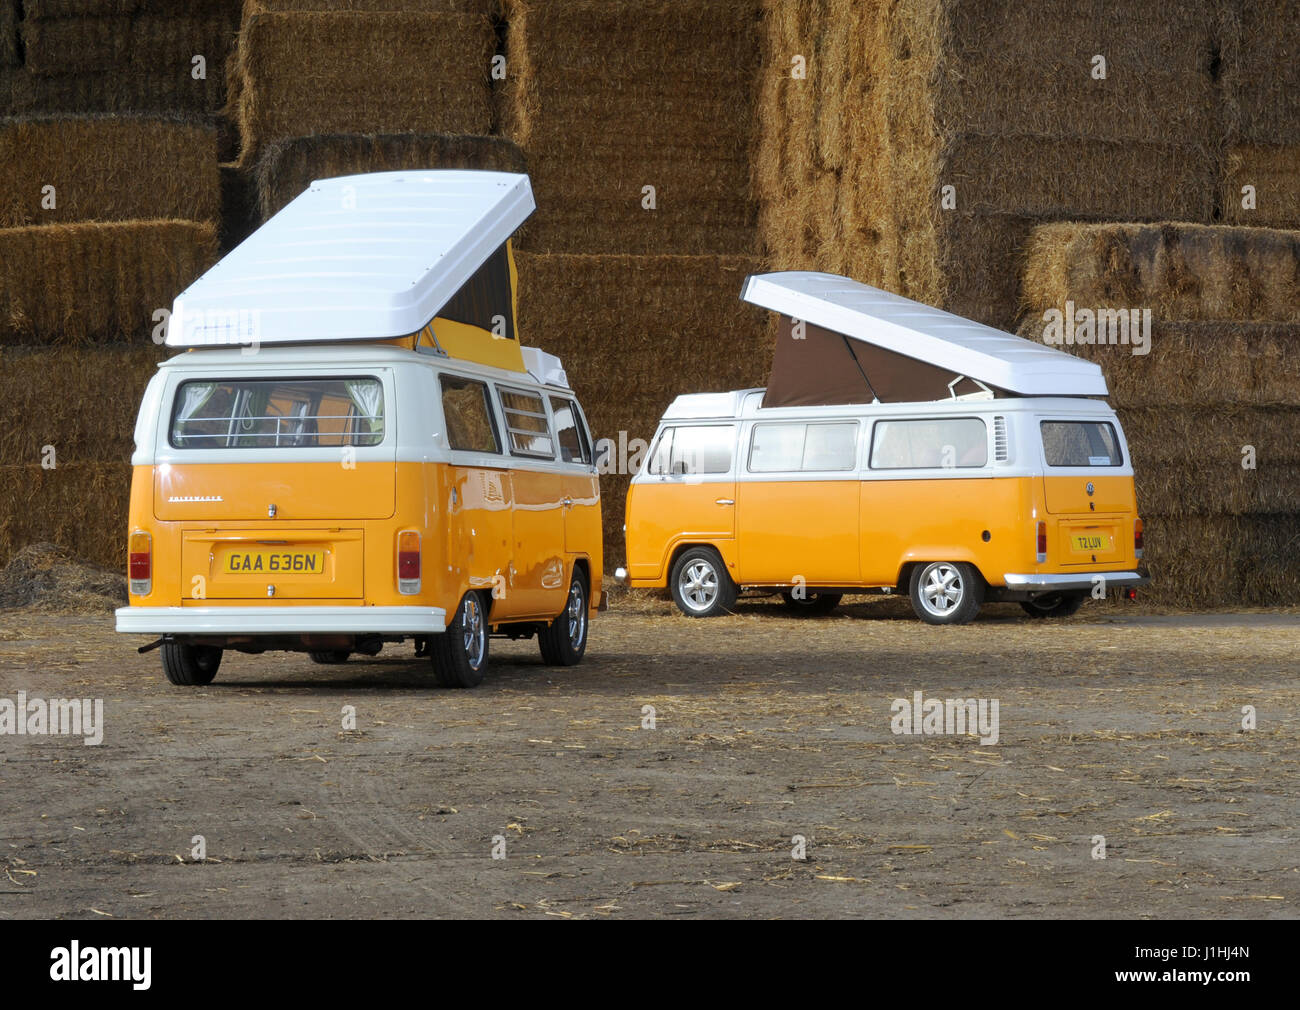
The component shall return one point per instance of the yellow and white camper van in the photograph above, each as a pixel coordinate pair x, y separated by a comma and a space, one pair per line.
356, 449
896, 448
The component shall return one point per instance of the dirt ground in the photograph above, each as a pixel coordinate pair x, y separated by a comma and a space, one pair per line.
1115, 723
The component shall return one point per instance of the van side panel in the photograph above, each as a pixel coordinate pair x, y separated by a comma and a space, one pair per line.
582, 526
944, 519
797, 529
539, 570
663, 515
470, 521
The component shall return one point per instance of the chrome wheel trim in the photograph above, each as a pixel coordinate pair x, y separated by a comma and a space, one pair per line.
577, 612
942, 588
698, 585
473, 630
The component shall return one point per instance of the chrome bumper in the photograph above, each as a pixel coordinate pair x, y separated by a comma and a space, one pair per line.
1054, 583
620, 576
274, 620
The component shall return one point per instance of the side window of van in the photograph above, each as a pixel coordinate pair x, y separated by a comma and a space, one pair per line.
570, 432
932, 444
527, 428
468, 413
694, 449
814, 447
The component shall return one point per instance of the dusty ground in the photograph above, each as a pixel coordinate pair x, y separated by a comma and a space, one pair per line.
767, 727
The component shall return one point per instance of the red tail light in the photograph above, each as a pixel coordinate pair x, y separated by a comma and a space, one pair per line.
408, 562
139, 564
1042, 543
1137, 537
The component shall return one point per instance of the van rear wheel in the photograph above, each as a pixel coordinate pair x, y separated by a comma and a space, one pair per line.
1054, 604
812, 604
700, 584
332, 657
946, 592
564, 641
190, 665
460, 654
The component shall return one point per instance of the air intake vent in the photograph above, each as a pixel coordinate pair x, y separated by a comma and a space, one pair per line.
1001, 447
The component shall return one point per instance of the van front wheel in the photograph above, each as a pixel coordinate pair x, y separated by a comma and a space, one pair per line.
564, 640
190, 665
460, 654
700, 584
946, 592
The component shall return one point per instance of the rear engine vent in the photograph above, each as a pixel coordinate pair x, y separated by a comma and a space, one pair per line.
1001, 446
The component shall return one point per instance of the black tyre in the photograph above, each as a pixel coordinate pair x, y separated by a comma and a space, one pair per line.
1054, 605
700, 584
190, 665
460, 654
331, 657
813, 604
564, 641
946, 592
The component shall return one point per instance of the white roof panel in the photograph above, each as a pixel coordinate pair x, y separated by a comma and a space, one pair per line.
919, 331
360, 257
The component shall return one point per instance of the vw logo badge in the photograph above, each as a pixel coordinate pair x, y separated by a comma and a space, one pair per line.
1090, 488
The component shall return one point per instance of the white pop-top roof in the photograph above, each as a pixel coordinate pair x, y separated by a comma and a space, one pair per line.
919, 331
361, 257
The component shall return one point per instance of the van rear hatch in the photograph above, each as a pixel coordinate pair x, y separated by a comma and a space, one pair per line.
299, 564
1091, 449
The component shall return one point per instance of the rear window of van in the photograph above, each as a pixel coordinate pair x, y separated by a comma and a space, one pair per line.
310, 412
1080, 443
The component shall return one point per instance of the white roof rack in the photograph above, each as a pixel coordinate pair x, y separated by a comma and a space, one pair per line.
360, 257
928, 334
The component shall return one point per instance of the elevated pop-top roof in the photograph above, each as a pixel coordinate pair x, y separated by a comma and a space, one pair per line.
928, 334
361, 257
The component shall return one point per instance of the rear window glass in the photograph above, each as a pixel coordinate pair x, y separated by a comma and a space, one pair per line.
1080, 443
816, 447
694, 450
527, 428
467, 412
277, 413
940, 443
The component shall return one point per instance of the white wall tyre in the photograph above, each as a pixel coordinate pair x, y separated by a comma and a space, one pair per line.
700, 584
460, 654
946, 592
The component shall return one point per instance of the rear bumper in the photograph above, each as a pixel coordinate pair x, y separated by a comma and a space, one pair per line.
273, 620
1055, 583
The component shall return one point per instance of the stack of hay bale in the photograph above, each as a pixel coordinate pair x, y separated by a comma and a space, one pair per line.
638, 125
914, 144
82, 56
102, 221
1211, 409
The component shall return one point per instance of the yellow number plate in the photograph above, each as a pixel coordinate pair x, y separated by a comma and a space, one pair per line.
264, 561
1090, 543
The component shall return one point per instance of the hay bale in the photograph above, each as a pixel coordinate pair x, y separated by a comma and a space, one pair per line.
108, 169
976, 96
1261, 70
1222, 561
288, 167
52, 578
305, 73
252, 7
10, 55
239, 215
80, 506
607, 99
135, 88
1178, 271
73, 283
1274, 172
44, 394
1198, 364
63, 46
50, 10
636, 331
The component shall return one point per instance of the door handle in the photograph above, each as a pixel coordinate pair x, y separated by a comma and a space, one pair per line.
568, 502
725, 501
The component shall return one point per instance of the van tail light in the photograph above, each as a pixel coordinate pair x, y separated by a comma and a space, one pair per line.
1041, 542
408, 562
1137, 537
139, 563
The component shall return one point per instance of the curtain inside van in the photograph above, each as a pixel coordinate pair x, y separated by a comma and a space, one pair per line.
815, 366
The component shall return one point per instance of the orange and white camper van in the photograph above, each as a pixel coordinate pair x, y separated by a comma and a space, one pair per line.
355, 449
898, 449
